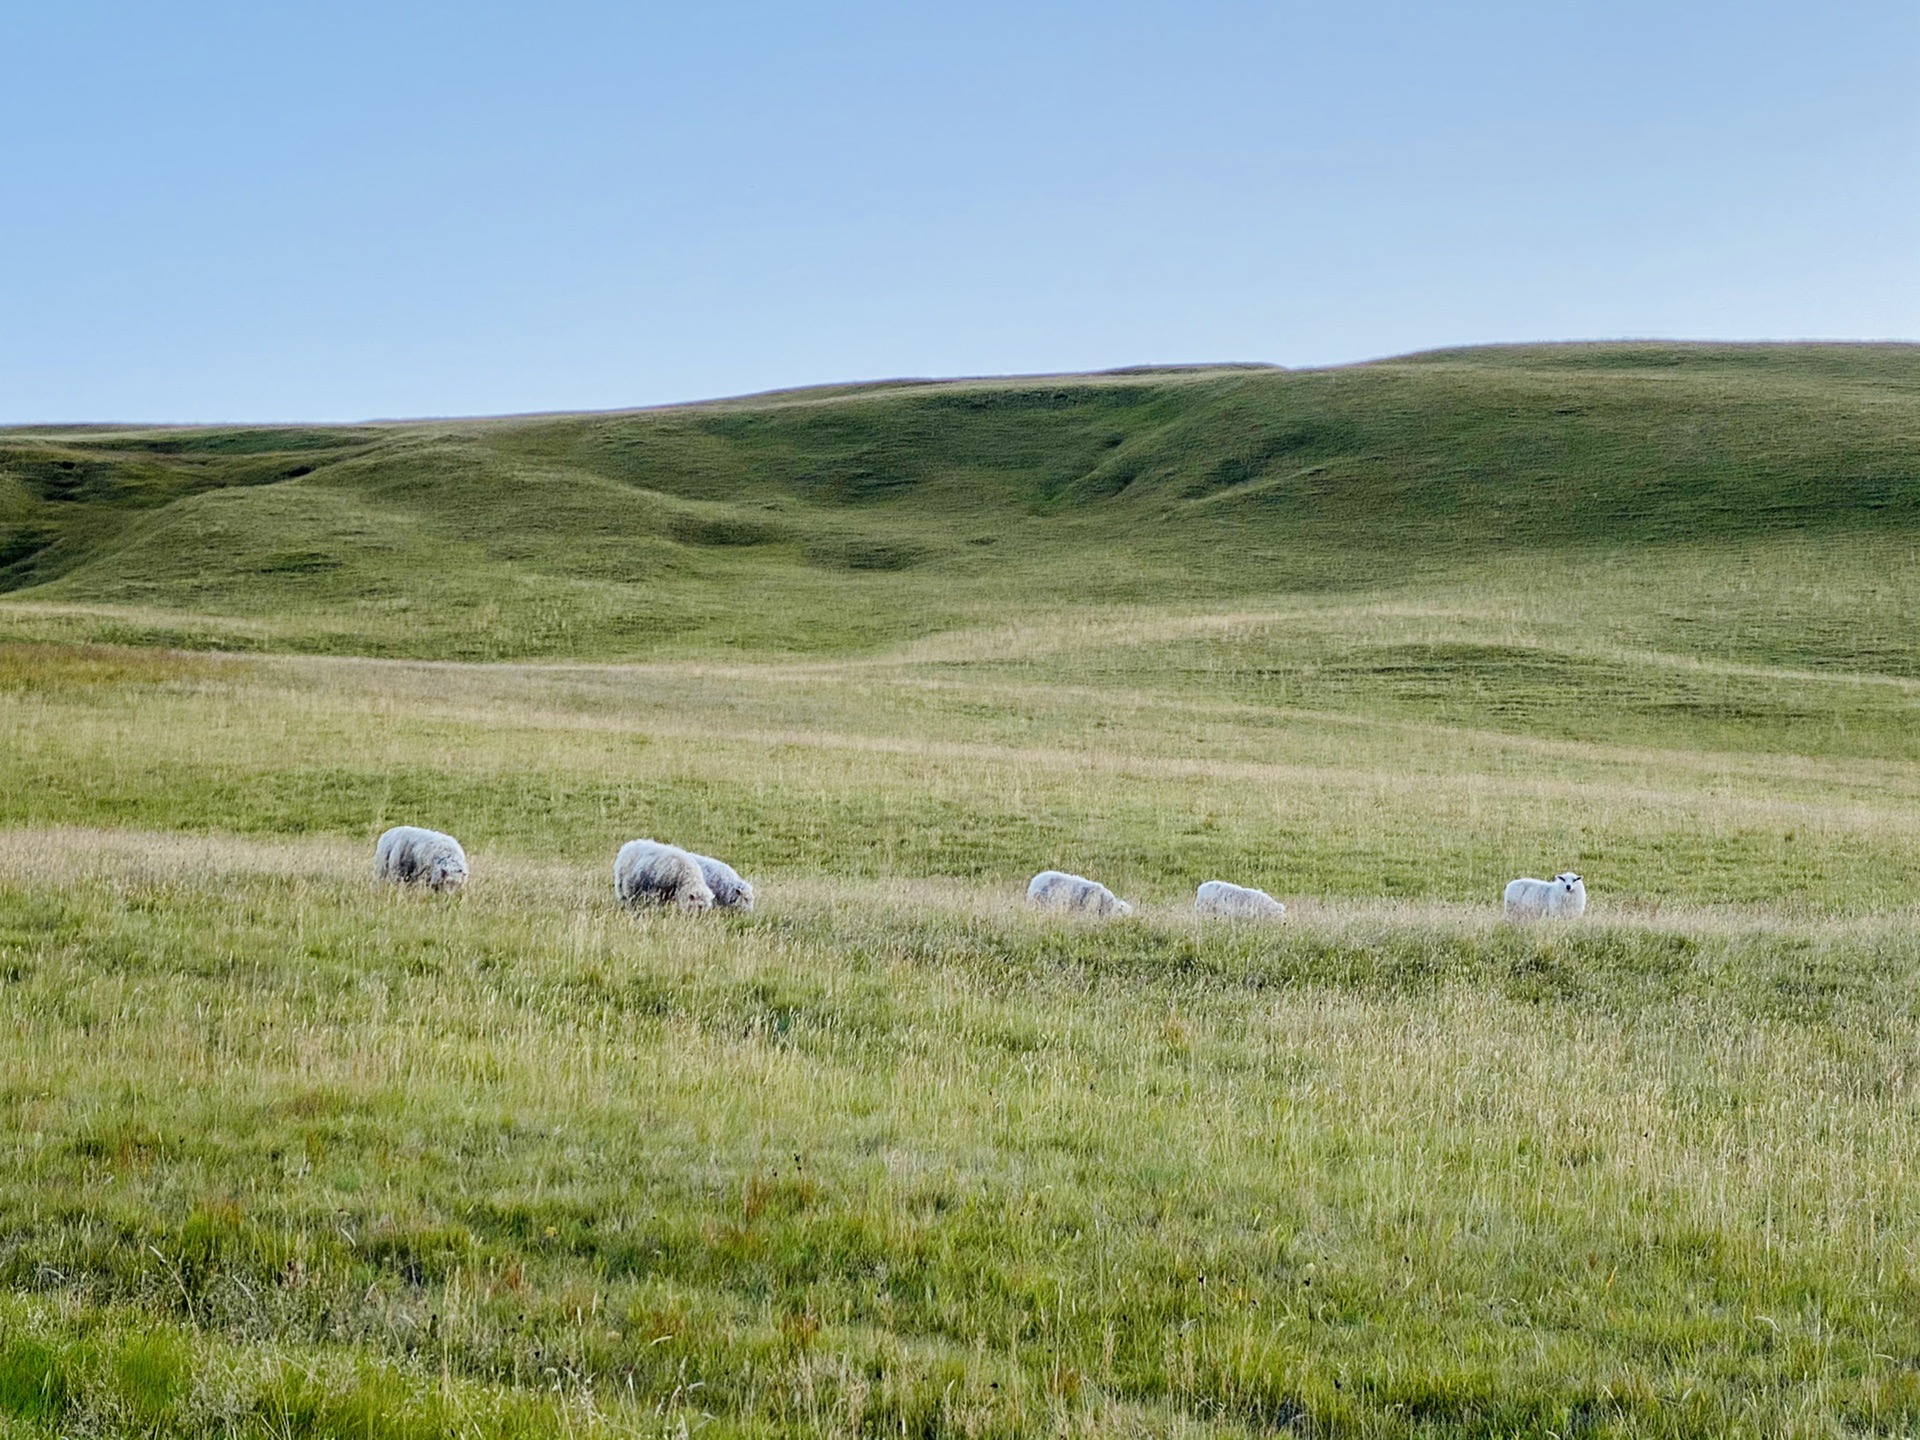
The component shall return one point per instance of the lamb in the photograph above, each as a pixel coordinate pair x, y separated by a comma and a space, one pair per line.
730, 892
1218, 899
646, 872
409, 855
1562, 898
1055, 890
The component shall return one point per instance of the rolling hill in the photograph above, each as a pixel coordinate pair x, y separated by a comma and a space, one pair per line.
286, 1153
835, 520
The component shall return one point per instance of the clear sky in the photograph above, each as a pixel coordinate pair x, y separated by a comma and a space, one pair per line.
250, 211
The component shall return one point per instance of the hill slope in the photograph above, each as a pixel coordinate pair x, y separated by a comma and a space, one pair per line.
844, 518
289, 1154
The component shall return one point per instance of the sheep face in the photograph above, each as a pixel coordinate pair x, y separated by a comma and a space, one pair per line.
1568, 897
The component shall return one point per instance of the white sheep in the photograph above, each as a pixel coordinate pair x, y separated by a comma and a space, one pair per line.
1221, 900
730, 892
646, 872
1562, 898
1056, 890
409, 855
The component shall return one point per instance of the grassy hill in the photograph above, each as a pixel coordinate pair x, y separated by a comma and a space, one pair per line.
847, 518
282, 1154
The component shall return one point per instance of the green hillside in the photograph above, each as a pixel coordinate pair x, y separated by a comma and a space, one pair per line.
844, 518
285, 1153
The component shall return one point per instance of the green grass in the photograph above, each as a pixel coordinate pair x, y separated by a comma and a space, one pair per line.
285, 1154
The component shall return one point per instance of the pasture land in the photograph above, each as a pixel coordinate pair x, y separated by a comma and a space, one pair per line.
282, 1153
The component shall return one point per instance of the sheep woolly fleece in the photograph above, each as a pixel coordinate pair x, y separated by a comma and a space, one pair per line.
1056, 890
1562, 898
1224, 900
645, 872
409, 855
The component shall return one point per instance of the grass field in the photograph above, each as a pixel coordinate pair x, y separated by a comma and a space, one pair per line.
284, 1154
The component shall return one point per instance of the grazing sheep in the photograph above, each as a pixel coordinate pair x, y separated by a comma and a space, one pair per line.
1217, 898
1055, 890
730, 892
1562, 898
645, 872
408, 855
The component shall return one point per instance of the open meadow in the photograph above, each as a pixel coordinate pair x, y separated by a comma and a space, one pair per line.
284, 1153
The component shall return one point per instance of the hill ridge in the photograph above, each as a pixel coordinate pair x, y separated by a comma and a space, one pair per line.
836, 518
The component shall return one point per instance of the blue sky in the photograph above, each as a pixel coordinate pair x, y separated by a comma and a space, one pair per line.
336, 211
